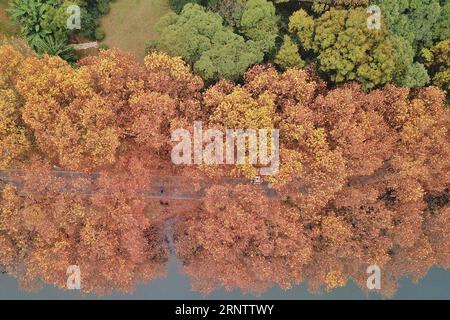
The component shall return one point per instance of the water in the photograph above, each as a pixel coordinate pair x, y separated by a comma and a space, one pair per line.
435, 285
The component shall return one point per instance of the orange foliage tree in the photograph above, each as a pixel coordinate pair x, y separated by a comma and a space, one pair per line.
364, 177
238, 238
356, 172
15, 138
102, 227
83, 118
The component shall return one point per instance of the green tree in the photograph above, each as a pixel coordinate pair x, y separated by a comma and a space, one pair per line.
288, 55
420, 22
408, 73
38, 18
438, 61
259, 23
346, 49
441, 28
44, 23
177, 5
199, 37
414, 76
230, 10
55, 47
228, 58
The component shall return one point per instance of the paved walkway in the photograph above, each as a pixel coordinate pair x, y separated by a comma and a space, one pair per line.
177, 187
84, 46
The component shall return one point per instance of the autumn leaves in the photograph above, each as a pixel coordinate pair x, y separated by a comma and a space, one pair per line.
115, 116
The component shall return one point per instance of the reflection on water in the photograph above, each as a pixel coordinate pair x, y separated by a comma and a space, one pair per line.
435, 285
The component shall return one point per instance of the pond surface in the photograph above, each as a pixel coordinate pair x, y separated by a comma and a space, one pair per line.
435, 285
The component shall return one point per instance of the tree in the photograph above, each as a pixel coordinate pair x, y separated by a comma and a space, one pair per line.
240, 239
441, 28
302, 24
357, 209
36, 17
177, 5
351, 2
108, 236
259, 23
83, 118
228, 58
408, 73
363, 176
438, 62
75, 123
200, 38
230, 10
345, 48
55, 47
44, 23
172, 101
288, 55
420, 22
272, 100
40, 19
15, 137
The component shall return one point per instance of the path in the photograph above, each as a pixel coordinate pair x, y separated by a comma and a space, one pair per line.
179, 187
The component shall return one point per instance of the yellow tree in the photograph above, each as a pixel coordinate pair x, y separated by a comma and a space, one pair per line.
15, 138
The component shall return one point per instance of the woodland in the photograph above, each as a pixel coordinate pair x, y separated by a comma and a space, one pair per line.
364, 122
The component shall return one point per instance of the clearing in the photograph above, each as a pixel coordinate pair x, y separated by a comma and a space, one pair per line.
131, 23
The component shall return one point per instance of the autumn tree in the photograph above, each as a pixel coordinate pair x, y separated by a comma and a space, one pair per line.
53, 223
15, 138
363, 176
280, 101
77, 121
396, 195
356, 169
83, 118
238, 238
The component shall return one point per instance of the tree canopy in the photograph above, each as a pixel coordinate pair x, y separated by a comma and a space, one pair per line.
364, 141
214, 51
347, 50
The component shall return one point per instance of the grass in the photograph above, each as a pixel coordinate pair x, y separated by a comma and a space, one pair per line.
131, 23
7, 27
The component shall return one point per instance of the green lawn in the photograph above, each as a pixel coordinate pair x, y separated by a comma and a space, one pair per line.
130, 24
6, 26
